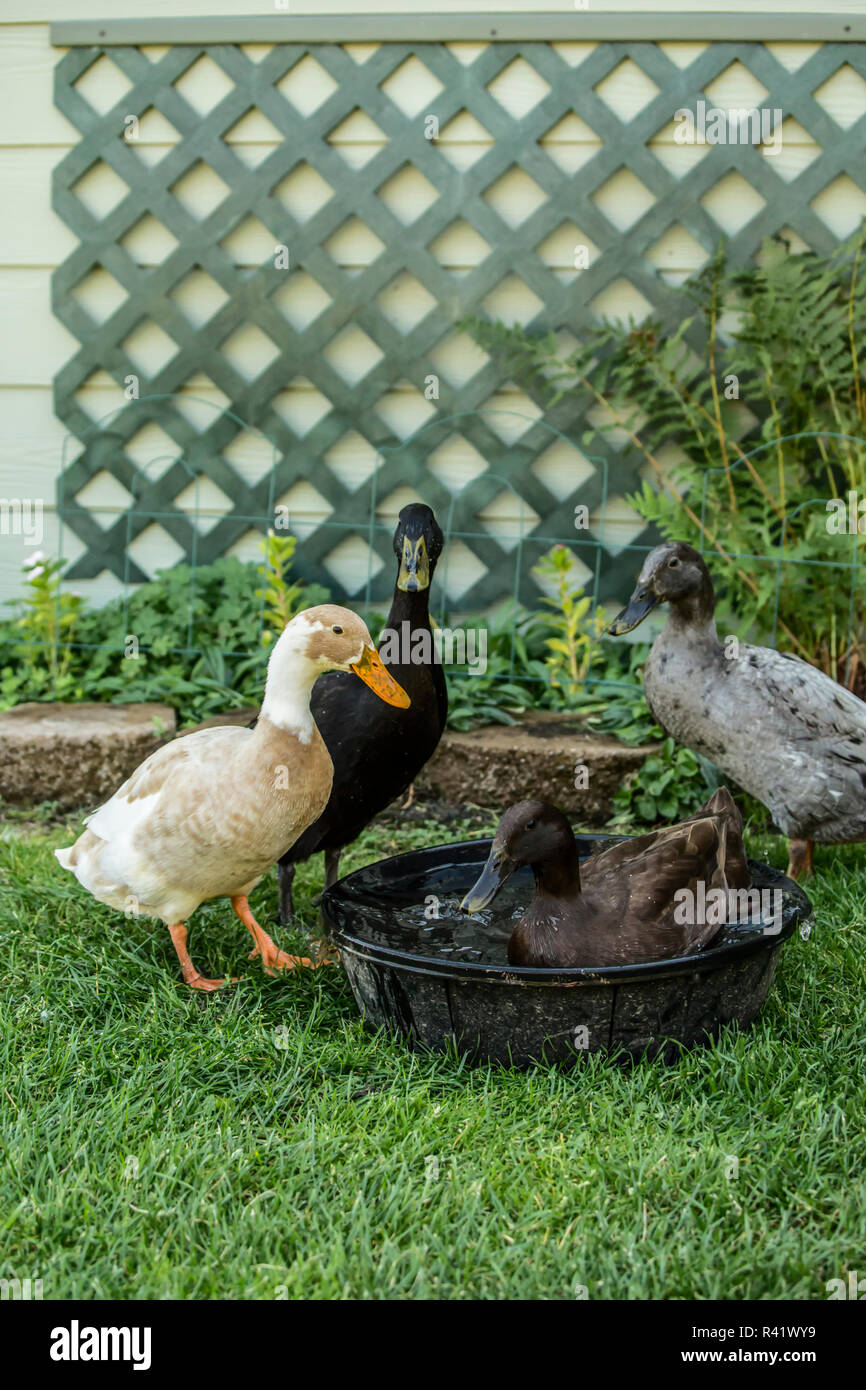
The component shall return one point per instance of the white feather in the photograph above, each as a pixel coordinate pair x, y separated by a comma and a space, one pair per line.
291, 675
119, 816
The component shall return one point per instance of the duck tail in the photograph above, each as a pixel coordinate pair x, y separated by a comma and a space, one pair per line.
67, 858
721, 803
732, 852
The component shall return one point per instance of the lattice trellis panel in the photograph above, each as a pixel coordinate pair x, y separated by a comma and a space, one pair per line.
352, 351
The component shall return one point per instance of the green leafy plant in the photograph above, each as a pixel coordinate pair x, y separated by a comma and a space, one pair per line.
489, 699
669, 785
282, 598
45, 625
514, 675
190, 638
571, 648
625, 714
524, 673
792, 355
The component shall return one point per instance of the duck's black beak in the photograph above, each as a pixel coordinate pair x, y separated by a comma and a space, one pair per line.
497, 869
414, 566
642, 602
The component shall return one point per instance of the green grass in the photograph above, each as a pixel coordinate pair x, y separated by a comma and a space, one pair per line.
262, 1144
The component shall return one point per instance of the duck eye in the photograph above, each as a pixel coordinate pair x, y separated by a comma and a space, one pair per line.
530, 824
673, 562
336, 629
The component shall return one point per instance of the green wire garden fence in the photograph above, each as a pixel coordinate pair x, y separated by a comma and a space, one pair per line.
526, 545
850, 570
521, 551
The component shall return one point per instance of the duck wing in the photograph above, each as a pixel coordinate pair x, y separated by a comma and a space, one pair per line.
820, 707
825, 738
175, 763
636, 890
732, 851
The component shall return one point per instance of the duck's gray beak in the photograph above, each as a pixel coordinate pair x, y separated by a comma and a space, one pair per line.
497, 869
642, 602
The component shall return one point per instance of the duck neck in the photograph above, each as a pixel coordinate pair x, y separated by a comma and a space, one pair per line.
559, 877
412, 608
414, 658
695, 614
290, 681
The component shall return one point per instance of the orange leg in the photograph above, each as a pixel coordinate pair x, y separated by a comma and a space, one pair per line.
800, 858
272, 957
193, 977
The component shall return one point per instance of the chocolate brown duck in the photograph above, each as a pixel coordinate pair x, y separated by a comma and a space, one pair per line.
623, 905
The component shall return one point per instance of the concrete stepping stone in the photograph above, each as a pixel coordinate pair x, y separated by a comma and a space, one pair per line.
76, 754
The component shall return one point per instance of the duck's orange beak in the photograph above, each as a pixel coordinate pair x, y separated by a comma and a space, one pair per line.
373, 673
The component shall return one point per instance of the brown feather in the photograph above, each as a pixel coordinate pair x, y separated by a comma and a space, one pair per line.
622, 908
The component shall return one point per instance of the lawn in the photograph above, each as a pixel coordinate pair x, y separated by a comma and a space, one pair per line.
262, 1144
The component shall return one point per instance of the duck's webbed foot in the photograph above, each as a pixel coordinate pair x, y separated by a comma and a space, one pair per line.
273, 959
193, 977
800, 858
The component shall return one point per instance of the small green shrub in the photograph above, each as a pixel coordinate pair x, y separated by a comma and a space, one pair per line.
282, 598
671, 784
42, 634
515, 673
189, 638
572, 648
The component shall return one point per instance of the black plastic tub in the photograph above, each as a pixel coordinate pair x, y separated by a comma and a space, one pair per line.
443, 980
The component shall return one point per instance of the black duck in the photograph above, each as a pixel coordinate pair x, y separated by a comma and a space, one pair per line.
378, 751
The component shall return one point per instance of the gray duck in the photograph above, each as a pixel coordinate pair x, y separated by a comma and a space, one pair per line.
784, 731
617, 907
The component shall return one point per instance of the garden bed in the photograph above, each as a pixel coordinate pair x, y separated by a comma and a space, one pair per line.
540, 754
544, 754
76, 755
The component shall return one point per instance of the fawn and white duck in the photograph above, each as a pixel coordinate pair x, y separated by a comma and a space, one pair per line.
207, 815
